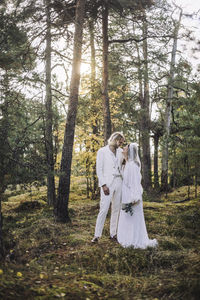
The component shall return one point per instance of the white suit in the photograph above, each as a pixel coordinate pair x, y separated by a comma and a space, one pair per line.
109, 167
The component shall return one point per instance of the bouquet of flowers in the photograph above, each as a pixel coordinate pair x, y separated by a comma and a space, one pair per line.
128, 207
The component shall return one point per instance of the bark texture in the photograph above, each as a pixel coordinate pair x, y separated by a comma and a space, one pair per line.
94, 108
145, 119
156, 177
61, 207
4, 148
49, 112
165, 151
106, 104
1, 235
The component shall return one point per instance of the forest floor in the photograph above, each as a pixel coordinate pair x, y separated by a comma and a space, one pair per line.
45, 260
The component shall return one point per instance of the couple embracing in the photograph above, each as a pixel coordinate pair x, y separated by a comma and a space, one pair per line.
118, 172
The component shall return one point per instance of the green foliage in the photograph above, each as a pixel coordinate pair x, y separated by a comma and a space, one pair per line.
22, 41
15, 48
186, 142
49, 260
21, 128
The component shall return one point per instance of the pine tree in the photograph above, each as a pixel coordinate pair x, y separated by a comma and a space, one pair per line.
61, 207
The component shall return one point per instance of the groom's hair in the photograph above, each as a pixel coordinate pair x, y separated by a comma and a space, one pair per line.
115, 137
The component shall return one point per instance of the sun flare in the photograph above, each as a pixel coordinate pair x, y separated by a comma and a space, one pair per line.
85, 68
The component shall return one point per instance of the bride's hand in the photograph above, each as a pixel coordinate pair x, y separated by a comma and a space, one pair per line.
135, 202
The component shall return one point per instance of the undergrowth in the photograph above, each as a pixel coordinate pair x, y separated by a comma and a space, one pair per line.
46, 260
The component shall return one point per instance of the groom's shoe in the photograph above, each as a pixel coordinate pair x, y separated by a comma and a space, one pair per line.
113, 238
95, 239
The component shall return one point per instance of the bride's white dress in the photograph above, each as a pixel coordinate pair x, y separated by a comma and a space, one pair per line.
132, 228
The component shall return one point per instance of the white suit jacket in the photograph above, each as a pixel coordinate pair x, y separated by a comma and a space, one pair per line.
108, 165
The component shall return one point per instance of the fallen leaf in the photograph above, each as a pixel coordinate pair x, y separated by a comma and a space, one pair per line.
19, 274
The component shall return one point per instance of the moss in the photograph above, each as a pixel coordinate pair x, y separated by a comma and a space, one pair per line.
58, 260
28, 205
171, 245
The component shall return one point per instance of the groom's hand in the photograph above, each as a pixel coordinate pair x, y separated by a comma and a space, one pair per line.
106, 190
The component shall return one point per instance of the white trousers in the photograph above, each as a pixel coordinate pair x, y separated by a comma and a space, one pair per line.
115, 198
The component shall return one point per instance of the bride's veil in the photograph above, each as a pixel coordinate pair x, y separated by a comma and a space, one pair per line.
133, 153
132, 176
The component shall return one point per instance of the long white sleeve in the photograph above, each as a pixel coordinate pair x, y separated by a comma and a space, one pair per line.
100, 167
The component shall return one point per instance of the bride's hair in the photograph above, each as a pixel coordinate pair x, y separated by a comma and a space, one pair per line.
115, 137
133, 153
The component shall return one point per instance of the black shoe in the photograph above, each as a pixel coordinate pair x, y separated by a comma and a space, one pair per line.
113, 238
95, 240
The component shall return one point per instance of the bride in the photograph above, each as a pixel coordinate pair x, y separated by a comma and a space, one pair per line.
131, 227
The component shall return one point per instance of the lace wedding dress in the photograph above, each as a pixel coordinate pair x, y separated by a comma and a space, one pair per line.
132, 228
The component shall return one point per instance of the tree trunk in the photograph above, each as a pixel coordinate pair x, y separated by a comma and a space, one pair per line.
173, 181
87, 169
61, 207
196, 183
106, 105
93, 105
49, 113
93, 59
188, 176
165, 152
139, 71
2, 252
145, 118
140, 97
4, 162
156, 177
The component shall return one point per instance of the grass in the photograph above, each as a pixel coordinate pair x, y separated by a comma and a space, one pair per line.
181, 194
45, 260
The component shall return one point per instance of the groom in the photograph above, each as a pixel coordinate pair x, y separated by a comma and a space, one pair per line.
108, 166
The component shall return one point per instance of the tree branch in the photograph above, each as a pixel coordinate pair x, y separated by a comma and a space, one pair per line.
138, 40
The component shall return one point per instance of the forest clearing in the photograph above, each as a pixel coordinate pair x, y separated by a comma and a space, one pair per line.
47, 260
73, 73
